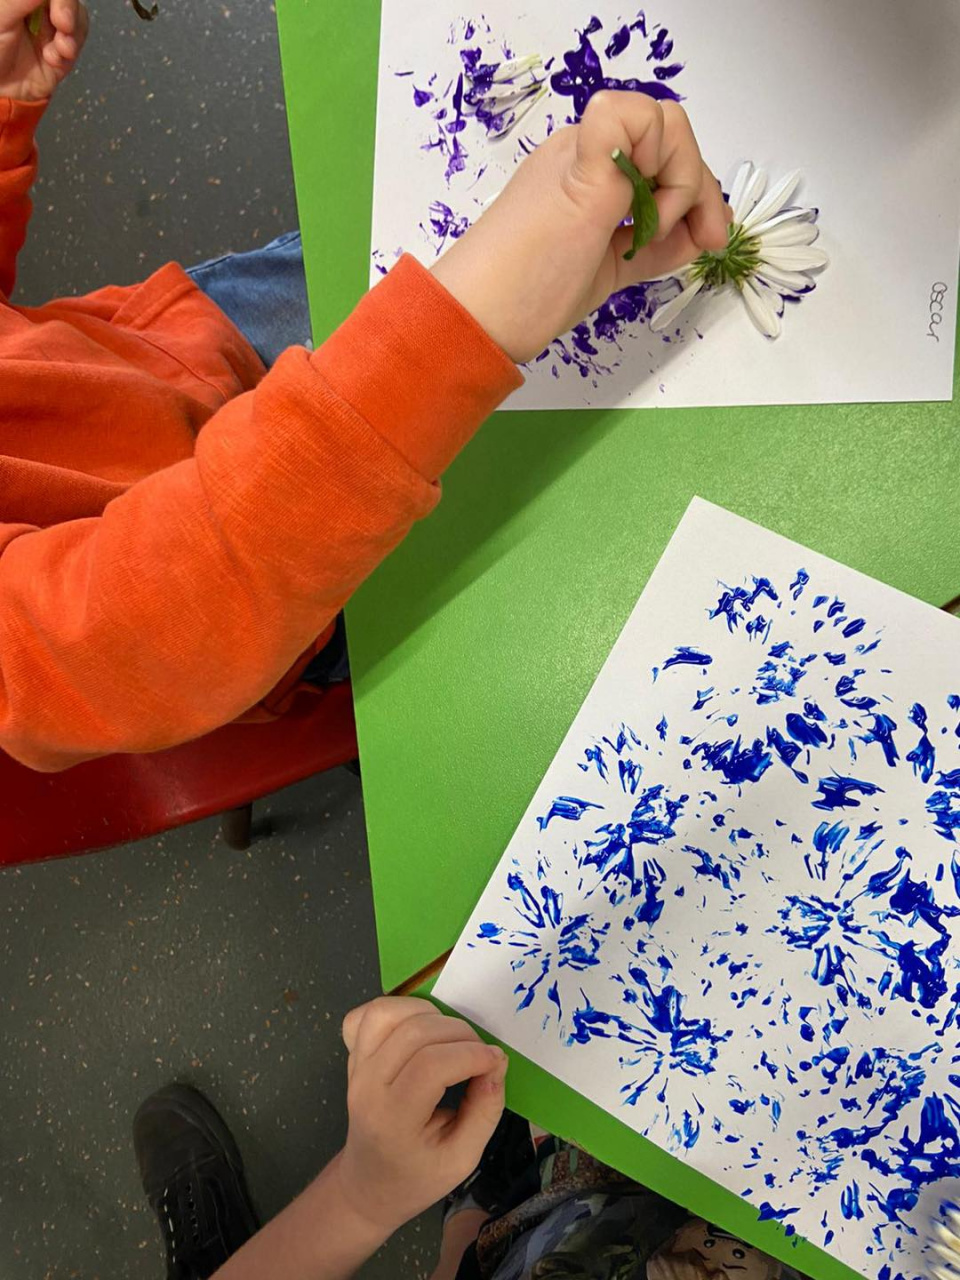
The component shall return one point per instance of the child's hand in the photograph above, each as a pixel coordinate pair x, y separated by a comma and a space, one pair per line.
550, 249
31, 66
403, 1152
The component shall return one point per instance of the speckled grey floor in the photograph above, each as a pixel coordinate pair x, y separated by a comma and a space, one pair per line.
174, 958
168, 141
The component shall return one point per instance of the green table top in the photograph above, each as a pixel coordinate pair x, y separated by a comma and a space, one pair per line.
473, 646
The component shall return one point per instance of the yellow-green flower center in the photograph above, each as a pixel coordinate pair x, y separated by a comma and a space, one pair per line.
731, 265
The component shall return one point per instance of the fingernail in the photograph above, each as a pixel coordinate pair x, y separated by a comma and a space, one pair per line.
495, 1081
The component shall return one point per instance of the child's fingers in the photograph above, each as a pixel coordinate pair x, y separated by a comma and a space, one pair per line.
680, 172
366, 1027
63, 15
66, 46
17, 11
53, 59
420, 1086
630, 122
479, 1113
659, 258
707, 219
410, 1038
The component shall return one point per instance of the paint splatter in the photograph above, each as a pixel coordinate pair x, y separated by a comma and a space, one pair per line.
498, 107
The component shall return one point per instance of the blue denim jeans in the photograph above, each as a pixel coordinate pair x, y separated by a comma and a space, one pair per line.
264, 293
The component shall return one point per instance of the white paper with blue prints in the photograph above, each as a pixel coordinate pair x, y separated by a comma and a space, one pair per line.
731, 913
862, 97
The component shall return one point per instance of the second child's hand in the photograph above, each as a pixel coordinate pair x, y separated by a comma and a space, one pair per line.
39, 47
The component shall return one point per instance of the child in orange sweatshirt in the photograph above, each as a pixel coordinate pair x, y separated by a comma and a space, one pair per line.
165, 500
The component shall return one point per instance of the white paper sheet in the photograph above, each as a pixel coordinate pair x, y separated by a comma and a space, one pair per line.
731, 913
863, 97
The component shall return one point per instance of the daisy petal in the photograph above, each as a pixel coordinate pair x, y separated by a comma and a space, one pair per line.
760, 309
774, 200
752, 192
788, 215
503, 93
740, 185
670, 310
945, 1241
789, 234
792, 281
518, 67
510, 119
797, 258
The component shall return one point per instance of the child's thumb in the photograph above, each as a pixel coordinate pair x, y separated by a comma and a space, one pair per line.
479, 1113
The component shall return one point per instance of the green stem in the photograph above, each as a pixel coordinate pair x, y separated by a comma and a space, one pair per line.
646, 215
35, 21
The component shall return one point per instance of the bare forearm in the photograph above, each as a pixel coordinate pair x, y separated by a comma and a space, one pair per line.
317, 1237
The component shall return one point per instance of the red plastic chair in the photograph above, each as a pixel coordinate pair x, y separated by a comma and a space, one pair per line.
122, 798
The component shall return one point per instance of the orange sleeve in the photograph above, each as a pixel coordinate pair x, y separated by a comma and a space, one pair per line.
18, 168
187, 600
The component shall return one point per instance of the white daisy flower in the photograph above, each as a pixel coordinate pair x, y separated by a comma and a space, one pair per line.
769, 258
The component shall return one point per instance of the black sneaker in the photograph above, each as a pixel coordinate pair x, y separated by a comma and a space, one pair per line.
193, 1176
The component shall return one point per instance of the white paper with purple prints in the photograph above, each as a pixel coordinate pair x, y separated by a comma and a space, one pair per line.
731, 914
863, 98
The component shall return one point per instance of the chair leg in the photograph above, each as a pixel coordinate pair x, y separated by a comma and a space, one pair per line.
235, 827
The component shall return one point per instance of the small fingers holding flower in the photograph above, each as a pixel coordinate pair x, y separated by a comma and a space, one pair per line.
686, 187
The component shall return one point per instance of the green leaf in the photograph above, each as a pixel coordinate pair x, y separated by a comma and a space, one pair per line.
646, 215
35, 21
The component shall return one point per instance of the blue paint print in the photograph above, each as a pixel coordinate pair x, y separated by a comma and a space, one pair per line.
720, 870
882, 732
651, 822
580, 941
787, 751
798, 919
923, 757
569, 808
838, 792
668, 1039
850, 1202
685, 656
594, 756
806, 732
777, 679
943, 805
736, 603
737, 763
827, 841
